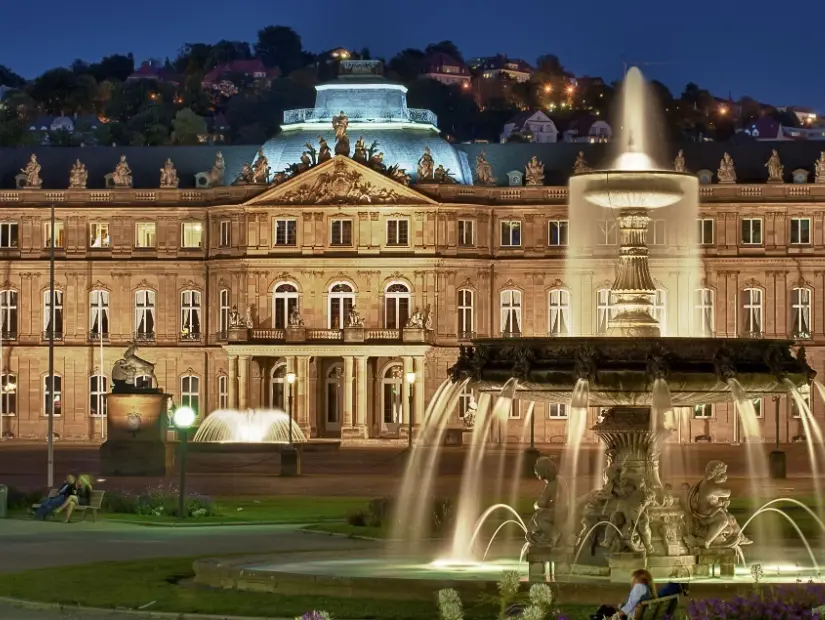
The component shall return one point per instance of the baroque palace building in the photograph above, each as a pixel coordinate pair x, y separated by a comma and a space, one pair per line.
352, 279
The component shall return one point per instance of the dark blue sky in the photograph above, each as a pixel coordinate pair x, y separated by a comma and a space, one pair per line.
761, 48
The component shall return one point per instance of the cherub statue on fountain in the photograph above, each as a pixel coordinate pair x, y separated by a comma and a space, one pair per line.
630, 516
542, 531
709, 504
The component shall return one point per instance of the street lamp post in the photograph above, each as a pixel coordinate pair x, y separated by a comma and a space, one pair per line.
290, 380
183, 418
50, 398
411, 382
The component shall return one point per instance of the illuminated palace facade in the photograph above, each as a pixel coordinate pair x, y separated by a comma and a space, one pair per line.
165, 268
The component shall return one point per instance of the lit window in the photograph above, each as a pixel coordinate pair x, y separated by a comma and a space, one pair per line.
703, 313
145, 315
284, 301
605, 311
8, 235
511, 313
466, 234
286, 232
341, 233
52, 392
223, 312
702, 412
8, 394
557, 232
752, 309
190, 315
99, 235
8, 314
607, 233
705, 231
466, 402
190, 386
658, 311
145, 235
511, 233
656, 232
800, 231
225, 234
557, 411
53, 315
59, 234
752, 231
801, 312
223, 392
515, 409
191, 235
398, 232
341, 303
805, 395
558, 314
98, 314
98, 386
466, 320
757, 407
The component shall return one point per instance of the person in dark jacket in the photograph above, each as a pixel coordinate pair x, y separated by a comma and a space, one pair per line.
67, 490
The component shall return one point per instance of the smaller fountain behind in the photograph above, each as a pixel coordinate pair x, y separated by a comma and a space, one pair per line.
250, 426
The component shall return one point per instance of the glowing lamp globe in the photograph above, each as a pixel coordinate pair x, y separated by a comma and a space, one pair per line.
184, 417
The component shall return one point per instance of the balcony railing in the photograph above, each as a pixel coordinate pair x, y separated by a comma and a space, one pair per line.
58, 334
190, 337
144, 337
327, 335
8, 335
360, 115
96, 336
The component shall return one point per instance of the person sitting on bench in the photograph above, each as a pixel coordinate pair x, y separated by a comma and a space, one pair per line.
642, 589
53, 503
82, 497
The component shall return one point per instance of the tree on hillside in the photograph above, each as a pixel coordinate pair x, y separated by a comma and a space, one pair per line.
59, 91
445, 47
12, 128
226, 51
10, 78
116, 68
407, 64
280, 46
751, 109
457, 111
187, 127
254, 114
550, 66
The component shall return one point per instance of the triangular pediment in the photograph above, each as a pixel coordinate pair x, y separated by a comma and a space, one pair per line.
340, 181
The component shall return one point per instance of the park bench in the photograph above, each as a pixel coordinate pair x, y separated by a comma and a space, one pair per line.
95, 503
657, 608
52, 493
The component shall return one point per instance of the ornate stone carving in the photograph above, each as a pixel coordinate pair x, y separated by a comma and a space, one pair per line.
342, 184
169, 176
215, 174
360, 153
775, 168
727, 170
245, 176
354, 319
580, 166
484, 171
324, 152
122, 176
819, 168
657, 363
534, 172
260, 169
709, 502
127, 369
295, 319
32, 174
426, 166
679, 162
724, 364
542, 531
79, 176
442, 175
235, 319
340, 124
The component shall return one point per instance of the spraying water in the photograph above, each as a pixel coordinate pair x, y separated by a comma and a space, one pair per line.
251, 426
576, 427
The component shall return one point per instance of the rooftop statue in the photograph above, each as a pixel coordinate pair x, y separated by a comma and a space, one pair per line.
127, 369
416, 320
245, 176
354, 319
727, 170
377, 162
324, 152
122, 176
484, 171
260, 169
534, 172
78, 176
819, 168
217, 171
340, 124
235, 319
542, 530
580, 166
442, 175
32, 172
306, 162
295, 319
426, 166
679, 162
169, 176
399, 175
709, 504
360, 154
775, 168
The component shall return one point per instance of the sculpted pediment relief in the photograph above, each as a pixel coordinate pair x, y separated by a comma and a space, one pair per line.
340, 181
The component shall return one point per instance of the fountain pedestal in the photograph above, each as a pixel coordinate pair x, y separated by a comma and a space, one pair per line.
135, 443
290, 461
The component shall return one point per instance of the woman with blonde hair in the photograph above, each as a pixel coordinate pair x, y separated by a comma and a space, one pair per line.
642, 589
82, 497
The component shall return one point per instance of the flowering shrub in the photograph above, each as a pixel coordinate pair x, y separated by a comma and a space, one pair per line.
315, 615
163, 501
791, 602
539, 607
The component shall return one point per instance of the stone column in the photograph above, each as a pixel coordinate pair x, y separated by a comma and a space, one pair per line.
348, 364
420, 384
303, 407
243, 381
361, 396
233, 382
405, 392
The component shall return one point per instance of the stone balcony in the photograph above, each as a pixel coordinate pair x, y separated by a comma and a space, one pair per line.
348, 335
360, 115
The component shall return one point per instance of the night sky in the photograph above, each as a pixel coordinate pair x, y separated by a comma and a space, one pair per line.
762, 48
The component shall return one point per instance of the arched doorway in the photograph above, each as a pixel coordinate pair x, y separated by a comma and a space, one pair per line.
392, 398
334, 399
277, 379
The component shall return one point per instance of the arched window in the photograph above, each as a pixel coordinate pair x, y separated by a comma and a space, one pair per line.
467, 401
604, 310
277, 391
801, 312
98, 386
143, 381
335, 397
98, 314
190, 315
223, 312
8, 314
284, 302
190, 389
145, 315
466, 313
703, 313
558, 313
659, 311
396, 305
752, 312
392, 396
53, 314
8, 394
511, 313
52, 394
341, 302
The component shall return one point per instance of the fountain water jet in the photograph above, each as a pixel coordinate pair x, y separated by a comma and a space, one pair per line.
251, 426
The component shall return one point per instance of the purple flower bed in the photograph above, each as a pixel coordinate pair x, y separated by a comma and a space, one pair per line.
792, 602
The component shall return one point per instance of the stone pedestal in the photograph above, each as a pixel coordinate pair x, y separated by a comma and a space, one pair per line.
295, 334
355, 334
290, 461
715, 563
238, 334
547, 562
777, 465
136, 435
414, 334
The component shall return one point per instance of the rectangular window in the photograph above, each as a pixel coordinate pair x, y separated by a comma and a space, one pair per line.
341, 233
465, 313
53, 315
607, 233
223, 392
190, 392
8, 235
190, 315
225, 234
751, 231
191, 235
511, 233
466, 402
656, 232
145, 235
557, 232
605, 310
8, 314
398, 232
97, 392
510, 313
145, 315
286, 232
223, 312
8, 394
705, 231
757, 407
515, 409
752, 309
98, 314
556, 411
806, 399
52, 393
558, 313
704, 320
466, 234
99, 235
58, 236
800, 231
703, 412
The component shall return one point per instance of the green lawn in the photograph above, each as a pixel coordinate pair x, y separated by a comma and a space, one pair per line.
345, 529
135, 584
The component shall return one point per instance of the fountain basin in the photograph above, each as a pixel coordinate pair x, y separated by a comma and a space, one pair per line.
621, 371
643, 189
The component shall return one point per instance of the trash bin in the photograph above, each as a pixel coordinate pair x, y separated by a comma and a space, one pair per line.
4, 501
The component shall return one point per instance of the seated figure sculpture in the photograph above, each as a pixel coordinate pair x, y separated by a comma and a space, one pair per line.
709, 501
630, 516
127, 369
543, 530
